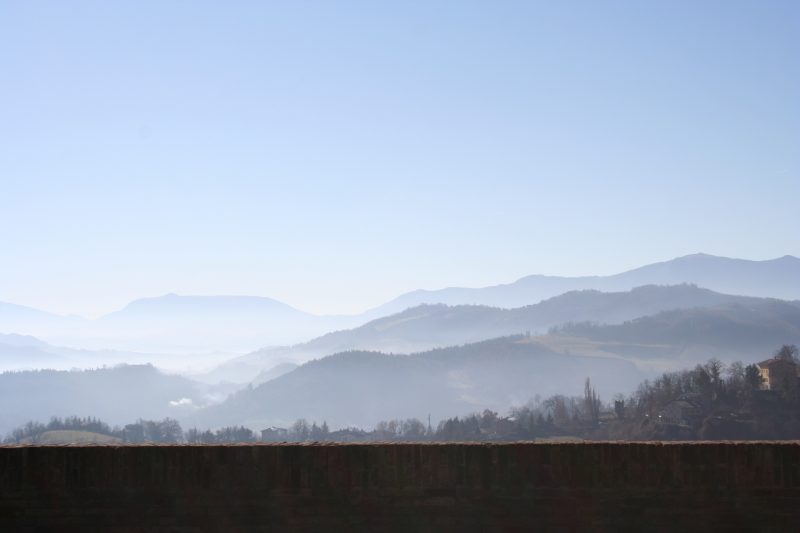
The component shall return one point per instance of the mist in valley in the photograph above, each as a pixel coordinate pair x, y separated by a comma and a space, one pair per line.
430, 362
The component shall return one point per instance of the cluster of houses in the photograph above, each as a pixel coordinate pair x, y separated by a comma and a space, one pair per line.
278, 434
685, 411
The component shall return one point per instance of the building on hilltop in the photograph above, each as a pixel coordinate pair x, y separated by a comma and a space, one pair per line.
274, 434
775, 372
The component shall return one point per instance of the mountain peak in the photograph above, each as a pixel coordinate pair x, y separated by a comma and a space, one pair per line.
775, 278
701, 255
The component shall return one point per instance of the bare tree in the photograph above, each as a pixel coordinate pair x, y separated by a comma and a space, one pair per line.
591, 403
788, 352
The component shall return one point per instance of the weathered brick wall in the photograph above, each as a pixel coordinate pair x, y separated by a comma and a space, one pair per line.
402, 487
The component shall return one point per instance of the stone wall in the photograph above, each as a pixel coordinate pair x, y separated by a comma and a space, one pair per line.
402, 487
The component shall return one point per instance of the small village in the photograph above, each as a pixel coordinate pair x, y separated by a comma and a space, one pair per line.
711, 401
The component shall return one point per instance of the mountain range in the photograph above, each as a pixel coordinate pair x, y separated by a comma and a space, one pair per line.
430, 326
775, 278
25, 352
240, 324
360, 388
682, 337
177, 324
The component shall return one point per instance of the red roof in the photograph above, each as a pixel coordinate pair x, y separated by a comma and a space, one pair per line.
773, 361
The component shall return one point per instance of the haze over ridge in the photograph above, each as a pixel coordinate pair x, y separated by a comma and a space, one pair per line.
243, 323
683, 269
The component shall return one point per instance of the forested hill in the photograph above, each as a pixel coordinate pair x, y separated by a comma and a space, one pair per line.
431, 326
428, 326
728, 331
118, 395
361, 388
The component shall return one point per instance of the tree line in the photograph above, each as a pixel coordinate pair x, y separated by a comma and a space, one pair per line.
709, 401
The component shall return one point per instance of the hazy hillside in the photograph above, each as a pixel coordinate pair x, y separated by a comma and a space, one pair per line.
427, 326
239, 324
178, 324
430, 326
214, 322
362, 388
729, 331
24, 352
776, 278
117, 395
274, 372
18, 352
25, 320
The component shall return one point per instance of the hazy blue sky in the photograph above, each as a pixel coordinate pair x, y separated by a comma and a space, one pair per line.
335, 154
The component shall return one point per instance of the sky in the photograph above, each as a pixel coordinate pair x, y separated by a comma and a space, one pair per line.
333, 155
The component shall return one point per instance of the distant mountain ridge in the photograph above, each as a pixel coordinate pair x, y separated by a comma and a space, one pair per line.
21, 319
361, 387
24, 352
733, 330
203, 305
773, 278
185, 324
215, 322
430, 326
174, 323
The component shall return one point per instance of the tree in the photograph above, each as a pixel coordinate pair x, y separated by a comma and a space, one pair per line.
412, 428
591, 402
300, 429
488, 419
133, 433
29, 433
234, 434
788, 352
714, 367
192, 436
619, 406
701, 381
752, 378
170, 430
558, 414
736, 374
